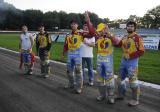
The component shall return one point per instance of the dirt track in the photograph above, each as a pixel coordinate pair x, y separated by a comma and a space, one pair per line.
19, 93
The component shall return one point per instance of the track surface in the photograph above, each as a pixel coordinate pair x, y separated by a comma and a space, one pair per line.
19, 93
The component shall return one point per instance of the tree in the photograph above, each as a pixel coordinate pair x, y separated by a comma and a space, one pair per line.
13, 20
63, 19
32, 18
152, 18
51, 20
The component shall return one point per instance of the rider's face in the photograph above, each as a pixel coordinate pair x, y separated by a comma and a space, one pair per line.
74, 26
24, 29
41, 29
130, 28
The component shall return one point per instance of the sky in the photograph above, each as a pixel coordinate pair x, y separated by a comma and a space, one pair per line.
112, 9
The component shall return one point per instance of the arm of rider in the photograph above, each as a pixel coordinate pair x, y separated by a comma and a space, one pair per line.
32, 43
91, 28
86, 15
49, 43
20, 44
140, 48
37, 45
115, 40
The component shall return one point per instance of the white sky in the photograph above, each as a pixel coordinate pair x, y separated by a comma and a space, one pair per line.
113, 9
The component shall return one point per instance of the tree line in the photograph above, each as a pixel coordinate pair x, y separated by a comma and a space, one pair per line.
13, 19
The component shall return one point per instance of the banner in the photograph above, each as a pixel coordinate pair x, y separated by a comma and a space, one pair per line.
151, 43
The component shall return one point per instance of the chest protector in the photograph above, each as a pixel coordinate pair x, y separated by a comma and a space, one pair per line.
105, 46
128, 45
43, 41
74, 41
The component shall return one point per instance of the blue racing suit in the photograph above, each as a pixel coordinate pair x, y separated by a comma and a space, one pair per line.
74, 60
105, 67
133, 48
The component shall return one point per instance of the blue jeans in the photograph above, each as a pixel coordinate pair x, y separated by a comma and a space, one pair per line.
89, 62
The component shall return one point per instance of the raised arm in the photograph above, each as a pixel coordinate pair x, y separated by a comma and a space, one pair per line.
32, 41
91, 28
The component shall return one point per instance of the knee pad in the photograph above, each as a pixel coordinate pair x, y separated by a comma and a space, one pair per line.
111, 91
101, 83
78, 69
111, 87
42, 63
119, 81
96, 73
134, 84
47, 62
111, 84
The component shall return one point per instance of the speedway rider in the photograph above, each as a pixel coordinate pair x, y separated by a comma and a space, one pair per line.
72, 46
25, 45
133, 48
43, 46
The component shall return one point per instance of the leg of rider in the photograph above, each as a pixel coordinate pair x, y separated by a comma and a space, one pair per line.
70, 73
47, 64
42, 67
133, 81
42, 61
101, 82
121, 81
110, 81
78, 74
111, 90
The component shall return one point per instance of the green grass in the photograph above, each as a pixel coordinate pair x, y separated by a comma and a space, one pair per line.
149, 64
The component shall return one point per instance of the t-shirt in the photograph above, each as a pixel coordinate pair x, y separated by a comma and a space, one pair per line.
87, 51
25, 41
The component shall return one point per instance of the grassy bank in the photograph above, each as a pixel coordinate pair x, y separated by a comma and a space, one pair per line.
149, 64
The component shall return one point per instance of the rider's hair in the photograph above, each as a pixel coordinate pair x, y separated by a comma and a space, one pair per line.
24, 26
73, 21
